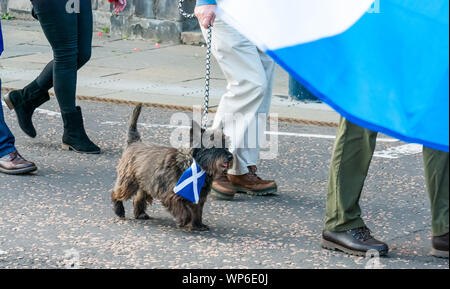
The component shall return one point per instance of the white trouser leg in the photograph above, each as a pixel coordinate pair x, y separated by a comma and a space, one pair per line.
263, 111
249, 74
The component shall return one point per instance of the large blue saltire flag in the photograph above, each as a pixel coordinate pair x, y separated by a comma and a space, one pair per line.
191, 183
386, 71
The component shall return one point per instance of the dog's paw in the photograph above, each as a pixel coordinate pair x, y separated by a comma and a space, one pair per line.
119, 209
198, 228
202, 228
143, 216
185, 228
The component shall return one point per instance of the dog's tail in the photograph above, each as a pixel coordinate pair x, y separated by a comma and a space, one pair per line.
133, 134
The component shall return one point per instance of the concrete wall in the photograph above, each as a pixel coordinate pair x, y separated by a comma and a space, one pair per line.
16, 7
151, 19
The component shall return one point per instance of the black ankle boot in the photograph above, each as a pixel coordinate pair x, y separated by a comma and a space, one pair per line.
24, 102
75, 137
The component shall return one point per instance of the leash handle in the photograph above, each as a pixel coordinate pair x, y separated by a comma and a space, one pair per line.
208, 63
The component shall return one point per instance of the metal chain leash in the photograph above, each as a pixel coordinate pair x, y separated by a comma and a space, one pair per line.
183, 13
208, 63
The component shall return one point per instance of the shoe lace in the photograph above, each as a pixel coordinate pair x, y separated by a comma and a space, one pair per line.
362, 234
15, 156
252, 172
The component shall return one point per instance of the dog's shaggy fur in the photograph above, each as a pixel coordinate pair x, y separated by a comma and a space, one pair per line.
147, 172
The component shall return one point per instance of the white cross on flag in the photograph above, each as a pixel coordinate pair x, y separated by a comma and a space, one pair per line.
191, 183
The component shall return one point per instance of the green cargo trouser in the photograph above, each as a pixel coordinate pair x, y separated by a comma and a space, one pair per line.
353, 151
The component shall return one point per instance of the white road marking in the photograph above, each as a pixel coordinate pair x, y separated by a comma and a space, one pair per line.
279, 133
147, 125
47, 112
41, 111
389, 140
391, 153
399, 151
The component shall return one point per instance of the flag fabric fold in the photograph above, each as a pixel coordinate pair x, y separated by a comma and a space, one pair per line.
386, 71
191, 183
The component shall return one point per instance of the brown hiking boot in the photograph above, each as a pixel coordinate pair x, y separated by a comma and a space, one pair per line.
222, 188
253, 185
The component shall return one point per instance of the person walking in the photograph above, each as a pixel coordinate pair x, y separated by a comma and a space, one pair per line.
345, 230
11, 162
68, 28
249, 74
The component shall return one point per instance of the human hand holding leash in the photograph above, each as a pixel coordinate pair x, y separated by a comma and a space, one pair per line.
119, 5
206, 14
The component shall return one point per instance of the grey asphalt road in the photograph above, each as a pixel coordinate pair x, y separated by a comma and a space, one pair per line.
62, 215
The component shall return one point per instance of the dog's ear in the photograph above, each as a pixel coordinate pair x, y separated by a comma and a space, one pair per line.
196, 135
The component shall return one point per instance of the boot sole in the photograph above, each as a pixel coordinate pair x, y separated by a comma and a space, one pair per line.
266, 192
8, 102
218, 195
70, 148
20, 171
336, 247
439, 253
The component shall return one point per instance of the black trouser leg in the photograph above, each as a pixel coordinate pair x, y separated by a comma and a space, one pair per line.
70, 35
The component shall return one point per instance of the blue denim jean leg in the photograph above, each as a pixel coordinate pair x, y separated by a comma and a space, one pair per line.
6, 137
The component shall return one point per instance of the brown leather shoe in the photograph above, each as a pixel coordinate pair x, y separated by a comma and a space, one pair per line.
440, 246
222, 188
15, 164
253, 185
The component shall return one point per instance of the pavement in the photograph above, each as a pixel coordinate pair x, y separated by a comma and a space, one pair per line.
136, 70
62, 217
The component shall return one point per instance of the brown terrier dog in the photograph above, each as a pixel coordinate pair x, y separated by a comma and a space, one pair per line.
149, 172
